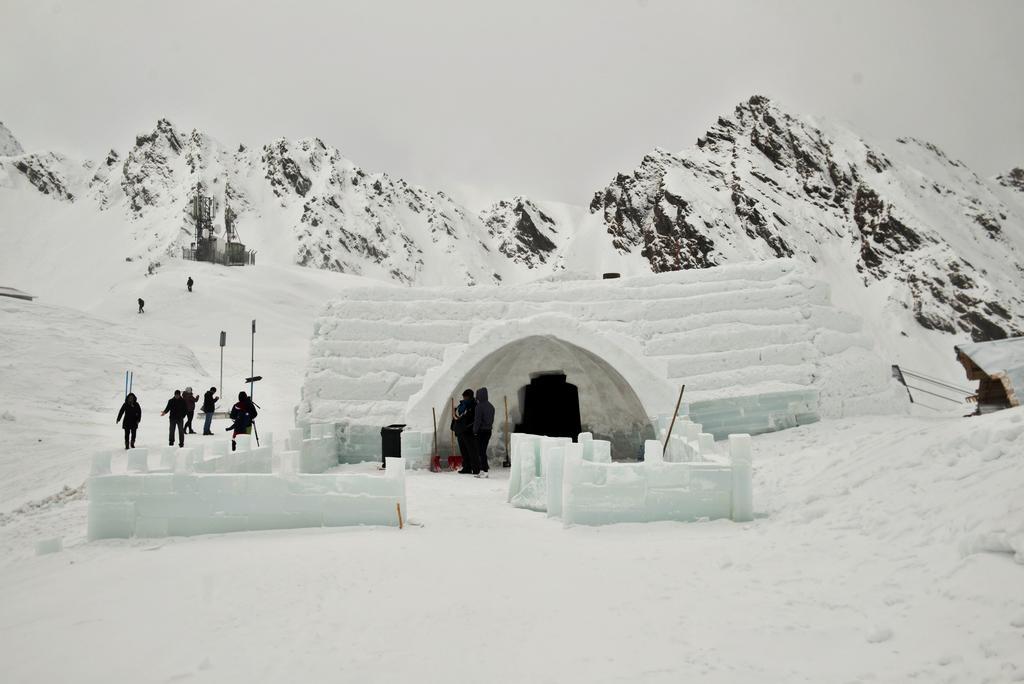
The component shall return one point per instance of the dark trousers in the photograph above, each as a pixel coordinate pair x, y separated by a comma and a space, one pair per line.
206, 424
188, 422
129, 437
482, 439
468, 451
176, 425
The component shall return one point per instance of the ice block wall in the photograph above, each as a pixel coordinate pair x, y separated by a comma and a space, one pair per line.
579, 483
184, 504
757, 345
172, 491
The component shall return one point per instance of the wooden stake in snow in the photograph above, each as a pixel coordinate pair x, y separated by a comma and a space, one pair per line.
398, 507
668, 434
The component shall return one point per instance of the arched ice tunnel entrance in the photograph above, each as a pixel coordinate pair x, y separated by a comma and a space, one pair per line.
527, 371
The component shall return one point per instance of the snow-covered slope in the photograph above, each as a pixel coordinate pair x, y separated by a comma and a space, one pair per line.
61, 383
9, 145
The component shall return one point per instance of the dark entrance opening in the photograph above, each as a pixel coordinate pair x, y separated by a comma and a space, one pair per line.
551, 407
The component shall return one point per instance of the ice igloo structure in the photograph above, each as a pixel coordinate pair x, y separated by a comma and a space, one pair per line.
759, 347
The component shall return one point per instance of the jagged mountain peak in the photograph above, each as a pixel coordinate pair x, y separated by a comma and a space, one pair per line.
524, 233
9, 145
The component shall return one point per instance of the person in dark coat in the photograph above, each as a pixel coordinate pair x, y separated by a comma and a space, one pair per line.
141, 304
462, 424
189, 283
132, 413
190, 409
175, 410
210, 400
483, 423
243, 413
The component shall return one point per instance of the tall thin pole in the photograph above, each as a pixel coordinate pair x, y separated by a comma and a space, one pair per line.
223, 341
668, 434
252, 359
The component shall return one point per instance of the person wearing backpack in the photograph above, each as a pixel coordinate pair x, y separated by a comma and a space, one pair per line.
243, 413
190, 409
132, 413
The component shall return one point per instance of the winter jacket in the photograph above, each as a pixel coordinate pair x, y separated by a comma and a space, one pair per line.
176, 409
484, 419
243, 408
132, 415
464, 415
190, 402
209, 402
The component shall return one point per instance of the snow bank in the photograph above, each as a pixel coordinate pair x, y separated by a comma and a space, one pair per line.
760, 339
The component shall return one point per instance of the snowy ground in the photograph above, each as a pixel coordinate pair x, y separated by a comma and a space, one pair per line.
885, 549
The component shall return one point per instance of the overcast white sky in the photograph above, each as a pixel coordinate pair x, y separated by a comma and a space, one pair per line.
542, 97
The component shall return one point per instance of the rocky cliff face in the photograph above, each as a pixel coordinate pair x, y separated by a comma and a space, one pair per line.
762, 183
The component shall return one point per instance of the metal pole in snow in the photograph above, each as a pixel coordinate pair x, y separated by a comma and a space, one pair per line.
252, 357
223, 340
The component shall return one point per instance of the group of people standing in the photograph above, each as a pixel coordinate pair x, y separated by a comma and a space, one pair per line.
472, 423
181, 409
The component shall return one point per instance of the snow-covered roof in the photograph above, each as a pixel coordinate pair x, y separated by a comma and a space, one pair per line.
1002, 359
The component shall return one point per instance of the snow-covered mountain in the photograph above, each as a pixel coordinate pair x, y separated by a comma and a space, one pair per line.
762, 183
902, 227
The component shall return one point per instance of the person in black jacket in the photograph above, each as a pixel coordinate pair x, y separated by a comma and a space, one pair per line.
483, 423
210, 400
189, 283
132, 413
141, 304
190, 409
462, 425
243, 413
177, 410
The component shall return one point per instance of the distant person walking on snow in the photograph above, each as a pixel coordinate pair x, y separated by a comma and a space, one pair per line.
210, 400
462, 425
190, 409
132, 413
188, 283
176, 408
142, 303
243, 413
483, 422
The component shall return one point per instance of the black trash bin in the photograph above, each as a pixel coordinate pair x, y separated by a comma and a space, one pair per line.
391, 442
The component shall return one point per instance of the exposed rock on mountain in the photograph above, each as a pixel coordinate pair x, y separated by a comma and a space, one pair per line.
1014, 178
906, 222
762, 183
523, 232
